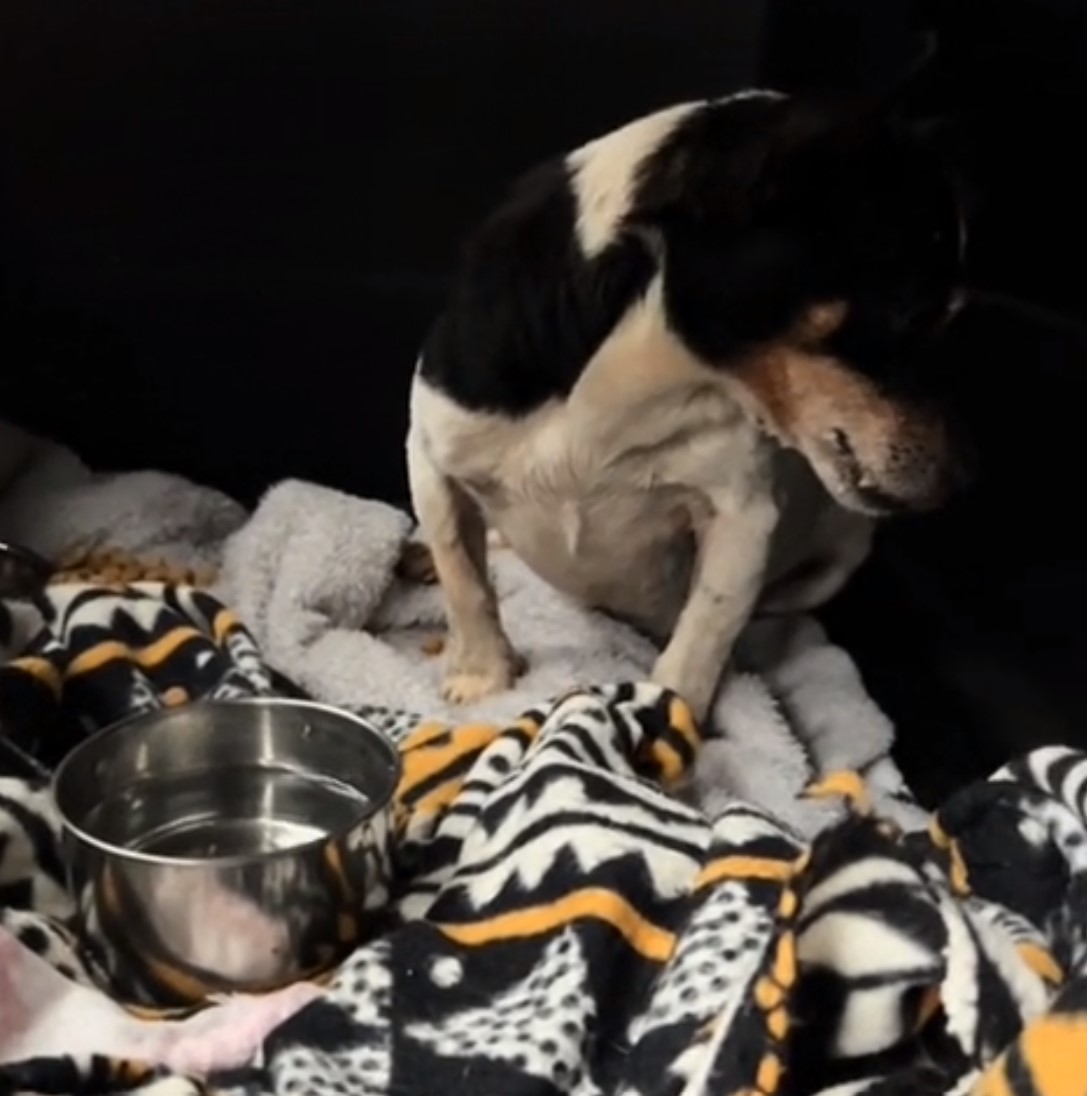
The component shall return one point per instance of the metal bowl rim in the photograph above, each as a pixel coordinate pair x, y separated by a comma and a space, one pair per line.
10, 548
43, 569
378, 806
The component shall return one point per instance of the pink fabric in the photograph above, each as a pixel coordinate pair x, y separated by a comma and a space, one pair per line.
43, 1014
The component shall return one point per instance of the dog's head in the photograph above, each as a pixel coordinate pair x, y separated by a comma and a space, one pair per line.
816, 255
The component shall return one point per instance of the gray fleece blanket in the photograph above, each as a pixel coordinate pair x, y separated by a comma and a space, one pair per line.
312, 572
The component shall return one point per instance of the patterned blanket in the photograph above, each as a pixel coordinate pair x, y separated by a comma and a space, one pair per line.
562, 925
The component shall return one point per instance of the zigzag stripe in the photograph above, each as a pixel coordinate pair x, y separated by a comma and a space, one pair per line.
541, 788
1059, 771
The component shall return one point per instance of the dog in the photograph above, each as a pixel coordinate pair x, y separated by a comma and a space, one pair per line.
684, 370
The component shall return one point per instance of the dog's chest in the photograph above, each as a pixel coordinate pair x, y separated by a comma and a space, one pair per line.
599, 493
601, 476
643, 415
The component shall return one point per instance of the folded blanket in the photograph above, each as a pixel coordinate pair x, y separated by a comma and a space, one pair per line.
562, 923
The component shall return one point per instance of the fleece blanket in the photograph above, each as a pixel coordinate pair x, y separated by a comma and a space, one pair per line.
560, 923
313, 573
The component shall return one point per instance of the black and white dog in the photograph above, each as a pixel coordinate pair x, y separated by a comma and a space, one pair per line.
683, 370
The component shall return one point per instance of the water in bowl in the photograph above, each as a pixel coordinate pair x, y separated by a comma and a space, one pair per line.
234, 812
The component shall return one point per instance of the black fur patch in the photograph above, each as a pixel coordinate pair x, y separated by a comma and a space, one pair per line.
760, 206
768, 206
528, 309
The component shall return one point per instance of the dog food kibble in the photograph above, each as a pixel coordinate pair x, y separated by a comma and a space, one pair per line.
115, 569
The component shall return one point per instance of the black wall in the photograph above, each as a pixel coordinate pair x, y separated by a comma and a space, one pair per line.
229, 224
225, 226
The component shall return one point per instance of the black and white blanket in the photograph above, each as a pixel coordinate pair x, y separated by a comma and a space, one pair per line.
561, 924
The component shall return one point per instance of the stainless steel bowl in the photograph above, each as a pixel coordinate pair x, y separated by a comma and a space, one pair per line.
227, 845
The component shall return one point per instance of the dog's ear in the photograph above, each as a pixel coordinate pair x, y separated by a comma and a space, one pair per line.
715, 212
731, 162
809, 136
848, 124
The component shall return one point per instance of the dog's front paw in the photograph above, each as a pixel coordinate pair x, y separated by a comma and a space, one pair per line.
696, 691
464, 684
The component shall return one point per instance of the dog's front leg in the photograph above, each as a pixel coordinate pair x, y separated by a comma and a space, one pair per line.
733, 547
479, 658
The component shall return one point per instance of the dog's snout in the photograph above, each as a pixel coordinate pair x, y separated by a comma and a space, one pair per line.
949, 473
933, 463
917, 478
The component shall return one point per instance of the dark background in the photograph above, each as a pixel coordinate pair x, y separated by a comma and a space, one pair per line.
225, 226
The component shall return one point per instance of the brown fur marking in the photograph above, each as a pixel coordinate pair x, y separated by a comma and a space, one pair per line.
809, 394
819, 323
808, 397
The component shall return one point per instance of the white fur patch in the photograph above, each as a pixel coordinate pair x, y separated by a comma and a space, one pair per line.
604, 171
